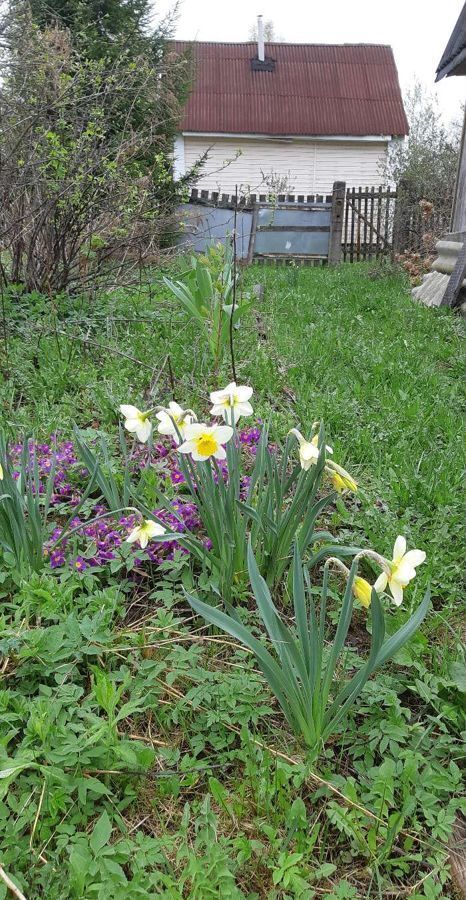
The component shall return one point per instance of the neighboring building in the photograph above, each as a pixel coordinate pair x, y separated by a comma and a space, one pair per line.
307, 113
445, 285
453, 62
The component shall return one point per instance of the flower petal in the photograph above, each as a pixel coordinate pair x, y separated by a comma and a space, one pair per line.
194, 430
220, 453
133, 535
143, 431
308, 451
381, 583
244, 408
396, 592
243, 393
129, 412
404, 573
399, 548
222, 433
414, 557
187, 447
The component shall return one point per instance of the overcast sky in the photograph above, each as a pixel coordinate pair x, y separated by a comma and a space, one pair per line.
418, 30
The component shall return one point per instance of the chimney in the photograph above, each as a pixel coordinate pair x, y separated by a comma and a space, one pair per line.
259, 63
260, 39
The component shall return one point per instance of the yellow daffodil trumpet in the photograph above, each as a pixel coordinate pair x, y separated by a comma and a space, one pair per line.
362, 590
205, 441
341, 479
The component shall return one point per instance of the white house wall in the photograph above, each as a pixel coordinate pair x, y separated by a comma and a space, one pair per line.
310, 167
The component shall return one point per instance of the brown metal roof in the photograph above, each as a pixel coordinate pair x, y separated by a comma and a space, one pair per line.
315, 89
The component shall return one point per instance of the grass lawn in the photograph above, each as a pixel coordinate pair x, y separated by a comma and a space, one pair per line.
151, 761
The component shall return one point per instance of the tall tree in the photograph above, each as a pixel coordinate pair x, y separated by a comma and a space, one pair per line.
102, 28
427, 159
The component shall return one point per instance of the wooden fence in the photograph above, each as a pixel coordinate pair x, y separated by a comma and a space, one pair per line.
350, 224
369, 223
303, 228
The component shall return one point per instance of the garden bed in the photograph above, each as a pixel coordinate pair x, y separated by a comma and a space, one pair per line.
143, 752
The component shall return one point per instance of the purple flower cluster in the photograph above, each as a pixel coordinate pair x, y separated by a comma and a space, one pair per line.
44, 455
102, 537
95, 542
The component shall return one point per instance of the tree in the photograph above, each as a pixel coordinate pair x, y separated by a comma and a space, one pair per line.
80, 185
101, 28
269, 32
426, 161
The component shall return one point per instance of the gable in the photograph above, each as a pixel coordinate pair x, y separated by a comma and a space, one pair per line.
312, 89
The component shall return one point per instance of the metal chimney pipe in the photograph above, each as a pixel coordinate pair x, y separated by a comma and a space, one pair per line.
260, 39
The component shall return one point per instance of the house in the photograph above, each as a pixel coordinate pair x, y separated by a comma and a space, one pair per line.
294, 117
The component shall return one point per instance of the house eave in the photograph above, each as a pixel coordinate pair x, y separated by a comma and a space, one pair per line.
288, 138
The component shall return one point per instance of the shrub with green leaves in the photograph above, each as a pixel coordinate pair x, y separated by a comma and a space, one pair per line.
206, 293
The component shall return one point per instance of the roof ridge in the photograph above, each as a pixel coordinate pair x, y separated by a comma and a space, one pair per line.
277, 43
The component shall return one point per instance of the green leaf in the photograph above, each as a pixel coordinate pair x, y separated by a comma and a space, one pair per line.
458, 675
101, 833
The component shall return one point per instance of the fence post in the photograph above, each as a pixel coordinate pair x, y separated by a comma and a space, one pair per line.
402, 217
336, 223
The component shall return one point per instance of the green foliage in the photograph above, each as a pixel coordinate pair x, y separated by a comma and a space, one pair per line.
101, 28
97, 147
192, 788
427, 159
207, 295
24, 509
311, 689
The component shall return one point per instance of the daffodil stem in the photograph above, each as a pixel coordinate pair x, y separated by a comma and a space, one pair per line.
371, 554
333, 560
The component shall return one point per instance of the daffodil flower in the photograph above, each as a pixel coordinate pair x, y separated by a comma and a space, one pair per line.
340, 478
401, 570
144, 533
204, 441
1, 472
362, 590
232, 402
137, 422
173, 420
308, 450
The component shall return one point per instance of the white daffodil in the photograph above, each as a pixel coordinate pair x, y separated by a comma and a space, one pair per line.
137, 422
232, 402
308, 450
173, 420
204, 441
402, 569
144, 533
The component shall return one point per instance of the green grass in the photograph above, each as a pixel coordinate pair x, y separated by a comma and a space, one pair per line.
179, 798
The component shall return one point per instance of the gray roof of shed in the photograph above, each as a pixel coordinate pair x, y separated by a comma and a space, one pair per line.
453, 61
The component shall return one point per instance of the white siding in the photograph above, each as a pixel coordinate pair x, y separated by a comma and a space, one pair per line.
310, 167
